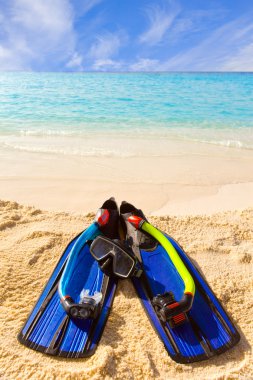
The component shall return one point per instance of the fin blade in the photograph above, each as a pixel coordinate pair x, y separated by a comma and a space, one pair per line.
48, 329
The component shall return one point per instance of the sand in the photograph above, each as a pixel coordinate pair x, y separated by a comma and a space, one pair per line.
166, 178
31, 242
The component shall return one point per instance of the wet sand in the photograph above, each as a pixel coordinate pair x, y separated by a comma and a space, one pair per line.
181, 178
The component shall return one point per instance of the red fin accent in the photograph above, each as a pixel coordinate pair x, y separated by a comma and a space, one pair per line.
103, 218
136, 221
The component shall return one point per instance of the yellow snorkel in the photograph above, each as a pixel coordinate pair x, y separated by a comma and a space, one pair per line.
169, 310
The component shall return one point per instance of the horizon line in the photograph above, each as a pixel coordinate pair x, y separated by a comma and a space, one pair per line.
125, 72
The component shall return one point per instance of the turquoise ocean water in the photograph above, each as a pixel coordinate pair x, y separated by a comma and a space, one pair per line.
60, 111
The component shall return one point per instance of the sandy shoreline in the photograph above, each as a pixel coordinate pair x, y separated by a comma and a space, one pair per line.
31, 242
191, 178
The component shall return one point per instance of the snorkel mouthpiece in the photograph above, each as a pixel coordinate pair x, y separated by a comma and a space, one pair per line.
87, 309
168, 310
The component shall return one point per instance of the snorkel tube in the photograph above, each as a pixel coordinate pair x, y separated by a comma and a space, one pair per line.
167, 308
89, 305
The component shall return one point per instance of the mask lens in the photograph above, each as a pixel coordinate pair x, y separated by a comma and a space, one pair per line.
123, 263
100, 248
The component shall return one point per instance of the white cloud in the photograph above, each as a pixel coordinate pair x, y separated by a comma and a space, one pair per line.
40, 35
242, 61
227, 48
145, 64
9, 60
105, 46
75, 62
87, 5
213, 52
104, 49
160, 20
34, 32
106, 64
195, 21
53, 17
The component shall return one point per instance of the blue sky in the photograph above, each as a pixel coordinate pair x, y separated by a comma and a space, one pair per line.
126, 35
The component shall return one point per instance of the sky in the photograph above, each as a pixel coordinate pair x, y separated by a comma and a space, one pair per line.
126, 35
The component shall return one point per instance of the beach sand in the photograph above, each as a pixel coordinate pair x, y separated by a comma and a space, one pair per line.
166, 177
31, 243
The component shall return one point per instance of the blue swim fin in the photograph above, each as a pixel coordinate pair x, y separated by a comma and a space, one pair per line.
205, 329
49, 328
